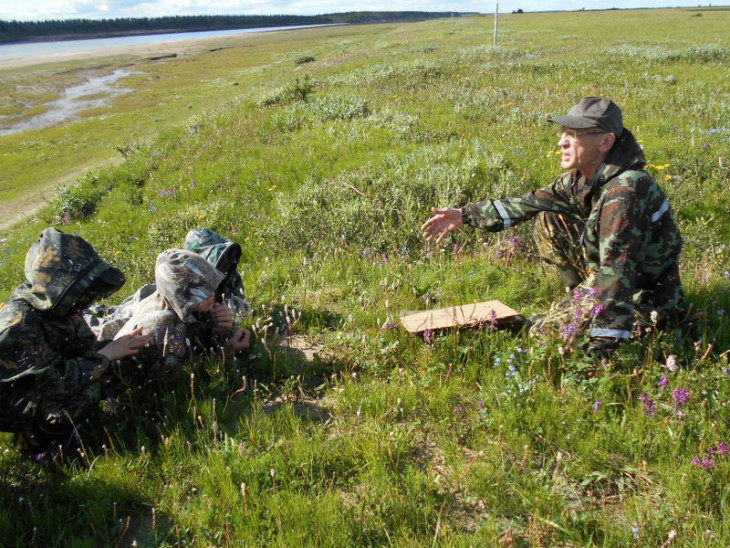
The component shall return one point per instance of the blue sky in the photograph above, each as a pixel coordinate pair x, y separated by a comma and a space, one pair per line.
37, 10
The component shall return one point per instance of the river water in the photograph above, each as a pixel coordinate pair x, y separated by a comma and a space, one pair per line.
98, 90
32, 49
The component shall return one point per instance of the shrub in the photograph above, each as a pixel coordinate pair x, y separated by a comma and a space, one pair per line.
80, 201
382, 206
304, 59
295, 91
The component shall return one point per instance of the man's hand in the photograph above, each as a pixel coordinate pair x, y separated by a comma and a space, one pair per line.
444, 221
222, 317
127, 345
240, 340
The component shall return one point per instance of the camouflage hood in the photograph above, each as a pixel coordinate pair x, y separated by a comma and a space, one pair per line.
59, 268
215, 248
626, 154
185, 279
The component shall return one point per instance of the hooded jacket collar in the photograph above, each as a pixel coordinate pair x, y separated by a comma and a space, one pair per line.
213, 247
59, 268
625, 155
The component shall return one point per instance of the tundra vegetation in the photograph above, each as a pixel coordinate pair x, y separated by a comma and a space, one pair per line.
321, 152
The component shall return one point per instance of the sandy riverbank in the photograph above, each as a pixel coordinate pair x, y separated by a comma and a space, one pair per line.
159, 49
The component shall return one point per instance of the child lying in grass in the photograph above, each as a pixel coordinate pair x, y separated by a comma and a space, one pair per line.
181, 315
221, 253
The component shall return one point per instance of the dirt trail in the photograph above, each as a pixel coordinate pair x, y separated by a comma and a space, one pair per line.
16, 211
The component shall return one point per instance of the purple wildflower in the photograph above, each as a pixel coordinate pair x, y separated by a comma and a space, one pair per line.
663, 382
707, 462
696, 461
390, 326
680, 396
722, 448
649, 405
592, 292
480, 405
458, 409
492, 320
597, 404
428, 336
635, 528
513, 240
65, 219
596, 311
568, 331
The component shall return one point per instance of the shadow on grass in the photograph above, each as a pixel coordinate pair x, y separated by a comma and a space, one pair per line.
41, 507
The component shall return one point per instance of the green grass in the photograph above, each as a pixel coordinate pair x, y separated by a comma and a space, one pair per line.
324, 171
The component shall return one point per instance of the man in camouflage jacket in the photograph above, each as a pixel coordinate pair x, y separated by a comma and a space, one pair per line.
53, 371
605, 223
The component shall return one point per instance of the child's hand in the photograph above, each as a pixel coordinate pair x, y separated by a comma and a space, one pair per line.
127, 345
240, 340
222, 317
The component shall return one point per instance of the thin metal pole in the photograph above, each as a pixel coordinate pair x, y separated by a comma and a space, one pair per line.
496, 23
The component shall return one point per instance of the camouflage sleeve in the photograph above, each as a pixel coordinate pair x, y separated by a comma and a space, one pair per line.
205, 337
26, 355
622, 225
169, 347
497, 215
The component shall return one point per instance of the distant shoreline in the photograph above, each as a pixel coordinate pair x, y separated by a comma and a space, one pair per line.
173, 47
101, 36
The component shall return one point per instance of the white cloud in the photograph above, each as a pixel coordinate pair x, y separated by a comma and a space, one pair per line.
93, 9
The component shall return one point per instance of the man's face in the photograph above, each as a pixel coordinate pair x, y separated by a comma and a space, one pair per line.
581, 149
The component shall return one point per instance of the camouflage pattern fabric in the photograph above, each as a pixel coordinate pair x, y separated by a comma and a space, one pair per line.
51, 376
629, 238
225, 256
183, 280
105, 322
558, 240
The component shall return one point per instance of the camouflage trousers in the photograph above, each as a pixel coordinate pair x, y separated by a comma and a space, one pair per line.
46, 412
559, 243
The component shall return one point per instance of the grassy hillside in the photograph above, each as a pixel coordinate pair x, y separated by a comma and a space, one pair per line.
321, 152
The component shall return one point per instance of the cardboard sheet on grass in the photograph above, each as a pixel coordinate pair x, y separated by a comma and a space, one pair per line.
465, 315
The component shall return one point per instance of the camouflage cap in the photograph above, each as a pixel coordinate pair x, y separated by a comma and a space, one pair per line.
593, 112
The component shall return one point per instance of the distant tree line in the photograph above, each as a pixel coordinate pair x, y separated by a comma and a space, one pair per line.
69, 29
